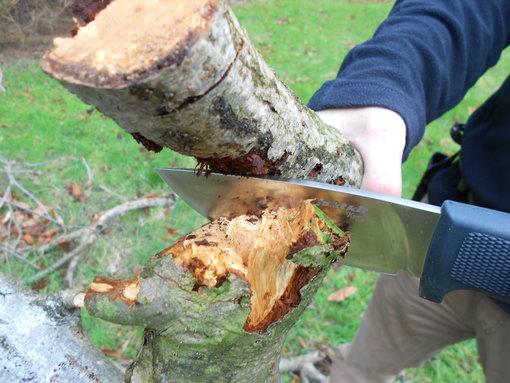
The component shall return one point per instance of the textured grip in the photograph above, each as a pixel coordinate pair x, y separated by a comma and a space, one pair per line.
470, 249
484, 263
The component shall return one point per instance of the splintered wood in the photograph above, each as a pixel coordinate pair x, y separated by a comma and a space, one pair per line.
257, 248
129, 37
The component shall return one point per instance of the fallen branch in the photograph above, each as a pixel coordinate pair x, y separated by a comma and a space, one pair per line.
305, 366
88, 235
80, 236
19, 256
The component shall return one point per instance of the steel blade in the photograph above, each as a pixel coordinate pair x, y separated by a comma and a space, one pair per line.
387, 233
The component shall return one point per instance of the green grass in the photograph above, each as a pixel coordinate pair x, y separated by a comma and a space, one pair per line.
304, 41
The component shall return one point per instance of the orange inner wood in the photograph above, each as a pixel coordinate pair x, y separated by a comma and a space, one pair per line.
255, 248
130, 35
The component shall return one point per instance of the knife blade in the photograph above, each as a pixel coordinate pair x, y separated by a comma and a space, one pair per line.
457, 246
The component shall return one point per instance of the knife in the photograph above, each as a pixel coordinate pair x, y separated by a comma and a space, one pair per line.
456, 246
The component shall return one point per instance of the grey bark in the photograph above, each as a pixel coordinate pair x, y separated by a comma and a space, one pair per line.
41, 340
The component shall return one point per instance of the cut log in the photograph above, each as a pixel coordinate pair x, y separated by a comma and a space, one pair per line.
184, 75
218, 303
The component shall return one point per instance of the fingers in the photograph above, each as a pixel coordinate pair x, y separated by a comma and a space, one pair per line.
379, 135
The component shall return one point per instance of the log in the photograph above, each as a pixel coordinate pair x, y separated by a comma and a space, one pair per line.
218, 303
41, 340
184, 75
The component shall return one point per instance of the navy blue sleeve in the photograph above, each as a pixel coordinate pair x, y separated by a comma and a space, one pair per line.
421, 61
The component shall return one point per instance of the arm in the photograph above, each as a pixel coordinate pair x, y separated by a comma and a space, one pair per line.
421, 61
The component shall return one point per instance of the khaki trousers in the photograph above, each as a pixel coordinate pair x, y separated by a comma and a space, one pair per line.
401, 330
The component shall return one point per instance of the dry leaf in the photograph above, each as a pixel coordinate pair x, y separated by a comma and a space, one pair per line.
41, 284
28, 239
151, 195
342, 294
302, 342
51, 232
77, 192
109, 351
64, 245
171, 232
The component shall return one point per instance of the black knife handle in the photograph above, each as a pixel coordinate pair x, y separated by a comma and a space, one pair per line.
470, 249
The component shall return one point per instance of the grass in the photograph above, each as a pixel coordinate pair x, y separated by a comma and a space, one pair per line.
304, 42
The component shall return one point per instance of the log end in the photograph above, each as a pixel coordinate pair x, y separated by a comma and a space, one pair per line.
128, 41
127, 291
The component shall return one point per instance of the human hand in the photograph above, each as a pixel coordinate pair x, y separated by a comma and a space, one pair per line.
379, 135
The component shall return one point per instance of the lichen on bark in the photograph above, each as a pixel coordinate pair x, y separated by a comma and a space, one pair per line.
203, 91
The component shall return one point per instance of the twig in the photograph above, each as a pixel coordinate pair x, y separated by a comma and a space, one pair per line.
2, 89
62, 261
14, 182
89, 235
70, 271
90, 177
34, 198
48, 162
106, 190
7, 193
33, 212
68, 237
19, 256
139, 203
19, 230
305, 366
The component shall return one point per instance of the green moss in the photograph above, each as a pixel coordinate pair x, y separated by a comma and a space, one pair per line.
331, 225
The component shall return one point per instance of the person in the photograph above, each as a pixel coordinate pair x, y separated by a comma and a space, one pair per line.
420, 63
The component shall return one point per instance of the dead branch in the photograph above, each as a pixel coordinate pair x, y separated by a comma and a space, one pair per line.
79, 236
19, 256
304, 365
90, 178
2, 89
88, 235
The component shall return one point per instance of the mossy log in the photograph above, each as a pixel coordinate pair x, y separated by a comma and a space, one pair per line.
218, 303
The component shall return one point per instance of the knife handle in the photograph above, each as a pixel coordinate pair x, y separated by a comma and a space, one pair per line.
470, 249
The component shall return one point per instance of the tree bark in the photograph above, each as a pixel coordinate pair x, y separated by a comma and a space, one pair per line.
210, 95
41, 340
218, 303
